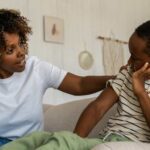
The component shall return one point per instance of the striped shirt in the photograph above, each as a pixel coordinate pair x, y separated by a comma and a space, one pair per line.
129, 119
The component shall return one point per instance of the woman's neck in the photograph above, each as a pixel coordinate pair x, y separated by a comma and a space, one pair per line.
5, 74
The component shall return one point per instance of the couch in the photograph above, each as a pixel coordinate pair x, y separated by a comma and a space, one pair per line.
65, 116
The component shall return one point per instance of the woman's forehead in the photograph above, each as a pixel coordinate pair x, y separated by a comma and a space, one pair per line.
11, 38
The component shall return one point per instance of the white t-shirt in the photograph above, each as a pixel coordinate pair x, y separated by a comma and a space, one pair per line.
21, 97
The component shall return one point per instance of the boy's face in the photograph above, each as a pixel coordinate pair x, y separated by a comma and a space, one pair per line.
138, 57
13, 57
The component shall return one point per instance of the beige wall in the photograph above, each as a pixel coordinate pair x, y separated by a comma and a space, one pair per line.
84, 20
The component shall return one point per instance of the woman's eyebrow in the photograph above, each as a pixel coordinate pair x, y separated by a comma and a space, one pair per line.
10, 45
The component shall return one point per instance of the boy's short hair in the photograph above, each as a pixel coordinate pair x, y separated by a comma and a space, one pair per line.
143, 31
11, 21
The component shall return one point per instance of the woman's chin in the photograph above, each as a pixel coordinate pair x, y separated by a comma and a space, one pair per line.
20, 69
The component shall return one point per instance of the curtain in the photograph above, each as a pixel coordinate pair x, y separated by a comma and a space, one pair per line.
113, 57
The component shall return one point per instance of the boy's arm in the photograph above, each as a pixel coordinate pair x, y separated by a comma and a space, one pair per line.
95, 111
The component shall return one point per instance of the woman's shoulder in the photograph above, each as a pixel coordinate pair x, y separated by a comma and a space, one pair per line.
31, 62
35, 63
32, 58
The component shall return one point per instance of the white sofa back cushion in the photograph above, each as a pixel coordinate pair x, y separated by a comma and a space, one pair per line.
123, 146
65, 116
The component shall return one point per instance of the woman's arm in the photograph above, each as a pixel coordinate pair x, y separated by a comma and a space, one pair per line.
95, 111
78, 85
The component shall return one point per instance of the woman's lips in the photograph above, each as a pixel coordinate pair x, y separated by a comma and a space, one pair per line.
22, 62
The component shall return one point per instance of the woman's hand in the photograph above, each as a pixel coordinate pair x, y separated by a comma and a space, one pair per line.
139, 77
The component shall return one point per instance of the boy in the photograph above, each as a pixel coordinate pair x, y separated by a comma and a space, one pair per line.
130, 89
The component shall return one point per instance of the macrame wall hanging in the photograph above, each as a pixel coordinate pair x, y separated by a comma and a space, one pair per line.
113, 55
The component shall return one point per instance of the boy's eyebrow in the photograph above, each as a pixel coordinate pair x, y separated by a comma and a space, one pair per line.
132, 54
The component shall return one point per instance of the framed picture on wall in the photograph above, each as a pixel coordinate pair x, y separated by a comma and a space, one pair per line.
53, 29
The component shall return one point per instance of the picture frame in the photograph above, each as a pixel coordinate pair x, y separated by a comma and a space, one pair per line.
53, 29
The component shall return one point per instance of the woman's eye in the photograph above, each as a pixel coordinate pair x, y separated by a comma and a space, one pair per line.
9, 50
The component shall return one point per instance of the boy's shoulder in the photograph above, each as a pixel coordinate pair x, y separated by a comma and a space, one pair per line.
124, 74
126, 71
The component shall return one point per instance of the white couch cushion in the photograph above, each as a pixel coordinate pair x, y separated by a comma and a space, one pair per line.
65, 116
122, 146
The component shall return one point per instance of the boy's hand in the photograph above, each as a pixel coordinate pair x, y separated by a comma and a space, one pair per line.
139, 77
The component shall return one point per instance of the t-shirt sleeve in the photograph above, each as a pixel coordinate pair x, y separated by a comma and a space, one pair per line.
51, 75
118, 82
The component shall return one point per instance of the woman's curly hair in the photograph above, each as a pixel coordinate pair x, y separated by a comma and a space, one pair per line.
11, 21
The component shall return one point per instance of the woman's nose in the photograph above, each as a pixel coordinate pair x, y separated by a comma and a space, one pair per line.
20, 52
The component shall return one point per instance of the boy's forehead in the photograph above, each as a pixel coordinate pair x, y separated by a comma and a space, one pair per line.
137, 47
136, 42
